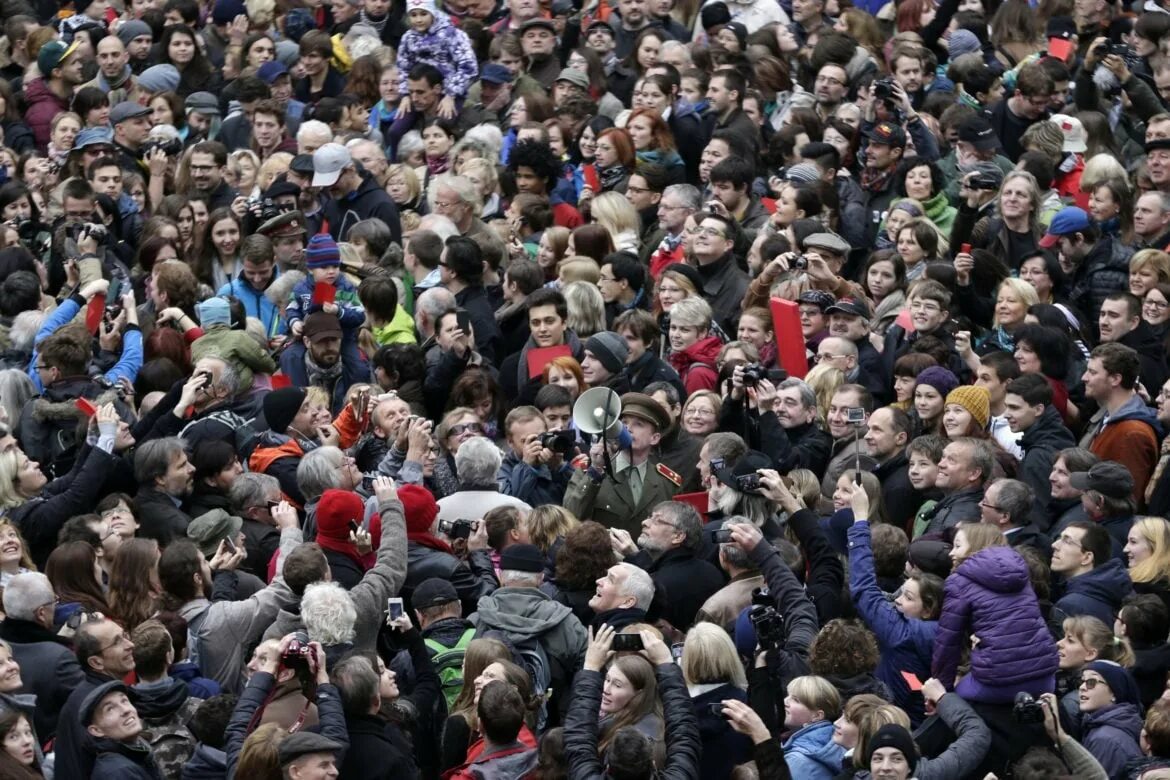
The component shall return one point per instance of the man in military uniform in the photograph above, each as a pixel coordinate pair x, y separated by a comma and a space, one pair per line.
638, 483
287, 232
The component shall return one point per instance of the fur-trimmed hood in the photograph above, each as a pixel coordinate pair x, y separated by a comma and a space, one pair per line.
282, 287
47, 410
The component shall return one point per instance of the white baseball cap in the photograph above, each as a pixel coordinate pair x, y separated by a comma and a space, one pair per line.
1075, 137
328, 163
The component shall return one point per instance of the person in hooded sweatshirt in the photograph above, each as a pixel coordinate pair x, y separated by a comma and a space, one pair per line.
164, 703
1095, 581
989, 594
433, 40
693, 348
1111, 722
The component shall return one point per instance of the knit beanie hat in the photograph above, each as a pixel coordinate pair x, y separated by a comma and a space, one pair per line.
1119, 680
419, 508
422, 5
322, 252
941, 379
610, 348
715, 14
133, 29
892, 735
962, 42
159, 78
214, 311
335, 510
740, 32
281, 406
976, 400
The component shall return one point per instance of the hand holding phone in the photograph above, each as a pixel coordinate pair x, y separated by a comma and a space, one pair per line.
394, 608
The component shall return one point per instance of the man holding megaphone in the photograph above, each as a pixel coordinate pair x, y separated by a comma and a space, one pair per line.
620, 494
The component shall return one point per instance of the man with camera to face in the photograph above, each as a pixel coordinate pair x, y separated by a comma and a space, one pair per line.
848, 416
535, 469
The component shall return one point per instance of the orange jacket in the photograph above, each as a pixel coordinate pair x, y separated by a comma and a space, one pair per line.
1133, 444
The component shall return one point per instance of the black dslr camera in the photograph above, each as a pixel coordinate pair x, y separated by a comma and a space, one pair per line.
562, 442
170, 148
883, 88
1027, 710
766, 621
456, 529
754, 372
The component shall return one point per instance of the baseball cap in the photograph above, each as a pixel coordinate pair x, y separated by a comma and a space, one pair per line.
203, 103
887, 133
978, 132
302, 164
127, 109
1067, 221
1108, 478
320, 325
853, 306
433, 592
599, 24
495, 73
1063, 27
538, 22
574, 77
328, 163
52, 54
271, 71
94, 136
1075, 136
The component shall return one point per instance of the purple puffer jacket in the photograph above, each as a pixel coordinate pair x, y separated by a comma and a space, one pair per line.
989, 596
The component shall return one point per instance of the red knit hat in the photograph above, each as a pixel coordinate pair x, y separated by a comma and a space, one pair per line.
335, 510
419, 507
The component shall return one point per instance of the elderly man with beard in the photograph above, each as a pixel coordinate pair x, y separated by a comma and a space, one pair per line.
667, 549
206, 165
221, 631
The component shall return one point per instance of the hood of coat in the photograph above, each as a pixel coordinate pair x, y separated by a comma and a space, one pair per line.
999, 569
1108, 583
1124, 716
523, 612
1048, 429
160, 701
705, 350
815, 742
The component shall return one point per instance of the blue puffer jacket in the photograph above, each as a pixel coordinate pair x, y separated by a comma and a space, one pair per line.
990, 596
906, 645
256, 303
811, 753
1111, 735
1098, 593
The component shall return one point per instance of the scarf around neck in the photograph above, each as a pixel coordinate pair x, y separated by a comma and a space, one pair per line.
427, 539
323, 377
612, 176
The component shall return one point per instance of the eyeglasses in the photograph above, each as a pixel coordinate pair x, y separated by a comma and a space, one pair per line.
821, 358
696, 411
77, 618
462, 428
1089, 683
448, 205
121, 640
1159, 305
709, 232
1066, 540
992, 507
830, 80
638, 190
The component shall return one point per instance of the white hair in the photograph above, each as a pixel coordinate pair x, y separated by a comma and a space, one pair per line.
478, 462
510, 578
24, 329
314, 128
329, 614
461, 186
441, 226
25, 594
488, 134
638, 584
318, 471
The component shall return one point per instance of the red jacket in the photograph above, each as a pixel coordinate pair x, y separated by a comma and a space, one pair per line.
696, 364
43, 105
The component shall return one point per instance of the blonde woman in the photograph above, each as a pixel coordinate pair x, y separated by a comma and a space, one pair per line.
548, 524
824, 379
14, 555
243, 169
276, 164
483, 175
1147, 269
616, 214
714, 674
586, 308
578, 268
1147, 553
810, 709
1012, 300
700, 414
404, 187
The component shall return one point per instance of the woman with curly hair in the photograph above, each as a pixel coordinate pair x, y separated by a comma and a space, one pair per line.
548, 525
585, 558
180, 48
134, 589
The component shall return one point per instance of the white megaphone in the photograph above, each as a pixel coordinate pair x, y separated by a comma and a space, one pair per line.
598, 411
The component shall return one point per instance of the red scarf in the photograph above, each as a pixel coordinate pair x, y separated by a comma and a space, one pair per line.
347, 548
427, 539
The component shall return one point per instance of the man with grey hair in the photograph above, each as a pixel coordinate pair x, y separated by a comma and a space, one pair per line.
667, 549
1151, 219
325, 468
623, 596
526, 615
371, 156
440, 225
664, 246
477, 464
428, 309
1008, 505
165, 477
251, 496
48, 669
963, 471
789, 434
312, 135
329, 614
212, 396
724, 607
457, 198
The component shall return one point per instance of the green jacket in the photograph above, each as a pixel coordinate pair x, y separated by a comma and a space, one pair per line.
610, 502
239, 349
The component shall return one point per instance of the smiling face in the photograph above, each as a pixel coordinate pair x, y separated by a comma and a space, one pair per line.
928, 402
922, 471
956, 420
616, 692
10, 681
1094, 693
1137, 548
909, 601
700, 417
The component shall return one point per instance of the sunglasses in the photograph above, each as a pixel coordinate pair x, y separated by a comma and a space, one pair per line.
462, 428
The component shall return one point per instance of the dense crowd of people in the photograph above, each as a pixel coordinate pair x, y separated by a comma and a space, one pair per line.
540, 389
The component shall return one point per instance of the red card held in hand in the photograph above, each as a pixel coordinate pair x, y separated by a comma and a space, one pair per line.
324, 293
541, 356
280, 380
94, 312
86, 406
912, 680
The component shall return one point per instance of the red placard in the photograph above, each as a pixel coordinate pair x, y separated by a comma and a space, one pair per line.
789, 337
912, 680
697, 500
94, 312
86, 406
324, 293
1060, 48
904, 320
541, 356
280, 380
